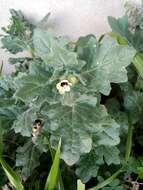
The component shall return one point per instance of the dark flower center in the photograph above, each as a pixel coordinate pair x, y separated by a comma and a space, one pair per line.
37, 123
64, 83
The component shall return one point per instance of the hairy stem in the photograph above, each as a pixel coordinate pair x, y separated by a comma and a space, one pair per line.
138, 63
1, 68
129, 142
107, 181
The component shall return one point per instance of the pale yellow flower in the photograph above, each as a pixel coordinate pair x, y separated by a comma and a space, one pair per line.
37, 127
64, 86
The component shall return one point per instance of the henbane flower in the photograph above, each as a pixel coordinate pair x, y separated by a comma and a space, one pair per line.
63, 86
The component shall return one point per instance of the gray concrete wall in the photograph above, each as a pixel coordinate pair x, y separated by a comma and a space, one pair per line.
72, 18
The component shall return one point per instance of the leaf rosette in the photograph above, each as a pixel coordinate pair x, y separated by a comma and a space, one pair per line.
76, 115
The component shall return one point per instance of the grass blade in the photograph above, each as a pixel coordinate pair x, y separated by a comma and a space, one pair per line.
14, 179
60, 181
37, 185
80, 185
52, 179
11, 175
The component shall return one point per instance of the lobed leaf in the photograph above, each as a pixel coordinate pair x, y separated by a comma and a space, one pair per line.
27, 157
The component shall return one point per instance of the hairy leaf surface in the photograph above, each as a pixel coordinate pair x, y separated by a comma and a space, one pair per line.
27, 157
78, 123
107, 64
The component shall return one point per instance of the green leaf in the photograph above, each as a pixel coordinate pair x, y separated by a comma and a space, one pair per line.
14, 45
41, 143
89, 163
8, 113
35, 85
7, 117
27, 157
47, 45
138, 58
18, 33
115, 184
30, 87
77, 122
43, 24
52, 179
121, 27
131, 167
53, 50
133, 100
114, 108
43, 43
109, 153
16, 14
24, 123
8, 108
6, 82
140, 172
20, 60
80, 185
88, 166
86, 48
108, 65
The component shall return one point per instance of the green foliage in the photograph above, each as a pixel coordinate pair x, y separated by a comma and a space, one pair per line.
140, 172
91, 162
30, 160
86, 93
121, 27
13, 177
23, 124
107, 65
18, 33
89, 165
77, 140
114, 185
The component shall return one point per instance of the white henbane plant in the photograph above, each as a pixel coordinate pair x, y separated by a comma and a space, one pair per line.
59, 93
88, 93
72, 109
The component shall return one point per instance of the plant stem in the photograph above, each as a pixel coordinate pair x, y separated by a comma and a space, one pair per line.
61, 185
107, 181
1, 68
129, 142
138, 63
